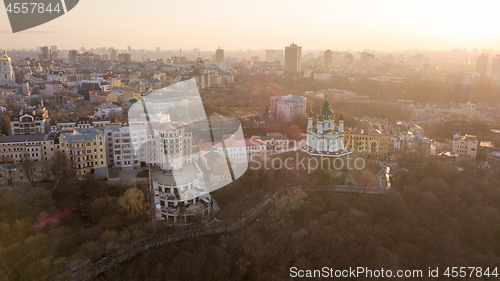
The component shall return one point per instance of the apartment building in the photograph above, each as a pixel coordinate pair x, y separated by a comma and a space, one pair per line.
31, 148
465, 145
367, 143
30, 121
86, 150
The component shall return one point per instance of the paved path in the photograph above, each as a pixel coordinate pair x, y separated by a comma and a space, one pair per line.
196, 231
165, 238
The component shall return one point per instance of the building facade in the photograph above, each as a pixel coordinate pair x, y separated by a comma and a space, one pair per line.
6, 71
421, 145
86, 150
219, 55
325, 136
464, 145
369, 143
30, 121
108, 110
293, 58
31, 148
288, 108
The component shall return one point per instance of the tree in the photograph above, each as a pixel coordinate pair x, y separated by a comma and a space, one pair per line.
293, 132
28, 166
132, 204
115, 115
6, 126
58, 114
60, 168
11, 167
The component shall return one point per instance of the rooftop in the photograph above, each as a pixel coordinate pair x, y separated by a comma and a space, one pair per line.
25, 138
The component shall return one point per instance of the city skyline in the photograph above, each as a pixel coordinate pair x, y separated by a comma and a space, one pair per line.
386, 25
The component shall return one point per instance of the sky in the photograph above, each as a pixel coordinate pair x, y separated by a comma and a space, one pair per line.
240, 25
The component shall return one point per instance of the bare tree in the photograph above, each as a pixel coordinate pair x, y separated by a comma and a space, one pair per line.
28, 166
6, 125
58, 114
60, 168
11, 167
115, 116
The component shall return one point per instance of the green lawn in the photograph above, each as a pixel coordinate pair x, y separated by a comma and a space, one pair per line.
242, 111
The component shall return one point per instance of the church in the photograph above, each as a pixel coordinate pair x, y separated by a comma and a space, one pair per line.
325, 137
6, 70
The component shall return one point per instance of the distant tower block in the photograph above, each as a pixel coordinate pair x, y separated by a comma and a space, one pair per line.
26, 89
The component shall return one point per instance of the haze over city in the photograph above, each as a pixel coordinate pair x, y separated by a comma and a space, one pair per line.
235, 25
249, 140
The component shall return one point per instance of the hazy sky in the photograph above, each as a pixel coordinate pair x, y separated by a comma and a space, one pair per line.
257, 24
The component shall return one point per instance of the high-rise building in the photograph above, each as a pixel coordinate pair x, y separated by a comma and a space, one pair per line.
219, 55
72, 56
113, 55
124, 58
348, 58
293, 56
45, 54
328, 59
6, 70
495, 65
365, 57
481, 64
274, 55
54, 53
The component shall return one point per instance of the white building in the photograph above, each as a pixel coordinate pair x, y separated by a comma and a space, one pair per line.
57, 75
400, 139
53, 87
287, 108
108, 110
325, 137
464, 145
275, 142
459, 79
6, 70
421, 145
30, 121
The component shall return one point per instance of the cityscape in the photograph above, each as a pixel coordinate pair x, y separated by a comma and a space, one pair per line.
245, 163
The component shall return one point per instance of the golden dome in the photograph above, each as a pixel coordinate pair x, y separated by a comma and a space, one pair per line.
5, 57
39, 67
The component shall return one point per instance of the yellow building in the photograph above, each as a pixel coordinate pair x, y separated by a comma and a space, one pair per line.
25, 172
86, 150
369, 143
137, 96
